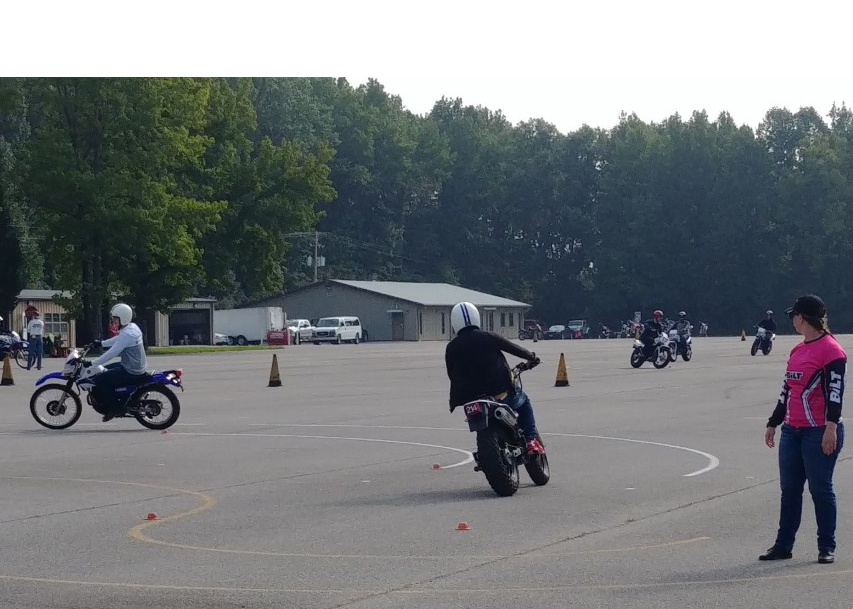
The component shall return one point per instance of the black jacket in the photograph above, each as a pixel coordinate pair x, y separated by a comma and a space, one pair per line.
652, 330
768, 324
476, 365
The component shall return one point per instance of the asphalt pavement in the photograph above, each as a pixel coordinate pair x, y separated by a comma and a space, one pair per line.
322, 493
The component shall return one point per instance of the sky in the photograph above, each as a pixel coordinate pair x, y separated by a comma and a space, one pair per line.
571, 62
570, 103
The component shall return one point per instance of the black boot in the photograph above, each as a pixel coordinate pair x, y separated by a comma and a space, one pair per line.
776, 553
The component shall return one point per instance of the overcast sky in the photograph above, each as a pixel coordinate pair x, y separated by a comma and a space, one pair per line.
572, 102
568, 61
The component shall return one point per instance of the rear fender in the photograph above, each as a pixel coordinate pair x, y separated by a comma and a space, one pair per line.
52, 375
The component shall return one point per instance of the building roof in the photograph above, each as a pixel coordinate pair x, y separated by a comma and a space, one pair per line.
41, 295
431, 294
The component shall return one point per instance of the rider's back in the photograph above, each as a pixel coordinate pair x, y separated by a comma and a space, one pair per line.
476, 365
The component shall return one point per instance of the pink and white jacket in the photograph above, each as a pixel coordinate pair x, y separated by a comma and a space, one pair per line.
814, 384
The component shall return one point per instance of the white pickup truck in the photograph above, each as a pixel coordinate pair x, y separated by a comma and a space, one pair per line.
301, 330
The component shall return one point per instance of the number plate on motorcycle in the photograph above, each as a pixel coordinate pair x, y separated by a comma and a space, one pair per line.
473, 409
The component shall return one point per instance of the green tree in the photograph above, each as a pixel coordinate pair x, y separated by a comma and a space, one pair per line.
105, 161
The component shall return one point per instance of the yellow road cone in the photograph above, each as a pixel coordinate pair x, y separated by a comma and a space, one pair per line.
275, 379
562, 374
743, 335
7, 372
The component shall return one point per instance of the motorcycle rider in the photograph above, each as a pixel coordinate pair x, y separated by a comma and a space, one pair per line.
127, 344
683, 324
477, 367
768, 323
652, 329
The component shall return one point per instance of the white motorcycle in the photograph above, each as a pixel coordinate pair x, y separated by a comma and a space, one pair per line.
763, 341
680, 343
659, 355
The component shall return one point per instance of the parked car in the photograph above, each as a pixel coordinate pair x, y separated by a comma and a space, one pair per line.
221, 339
578, 328
338, 330
301, 330
556, 332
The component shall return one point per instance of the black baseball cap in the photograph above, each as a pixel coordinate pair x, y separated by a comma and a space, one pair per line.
808, 305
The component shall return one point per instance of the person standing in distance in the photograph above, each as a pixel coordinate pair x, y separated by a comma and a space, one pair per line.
35, 332
809, 410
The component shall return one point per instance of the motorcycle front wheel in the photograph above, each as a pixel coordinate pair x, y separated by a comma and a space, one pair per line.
688, 354
661, 358
56, 407
537, 467
21, 358
637, 358
754, 348
501, 471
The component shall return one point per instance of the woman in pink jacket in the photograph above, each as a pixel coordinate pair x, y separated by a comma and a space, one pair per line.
809, 410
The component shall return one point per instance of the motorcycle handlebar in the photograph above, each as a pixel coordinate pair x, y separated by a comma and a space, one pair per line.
528, 365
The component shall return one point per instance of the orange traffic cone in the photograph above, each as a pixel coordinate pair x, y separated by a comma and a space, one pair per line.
7, 372
463, 526
562, 374
275, 379
152, 516
743, 335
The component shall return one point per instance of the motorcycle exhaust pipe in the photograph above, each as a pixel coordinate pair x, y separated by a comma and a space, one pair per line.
506, 416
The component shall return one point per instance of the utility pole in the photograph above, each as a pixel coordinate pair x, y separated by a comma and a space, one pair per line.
316, 247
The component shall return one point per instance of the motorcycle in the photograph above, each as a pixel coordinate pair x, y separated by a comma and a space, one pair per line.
151, 401
764, 341
680, 343
12, 345
605, 332
658, 355
501, 446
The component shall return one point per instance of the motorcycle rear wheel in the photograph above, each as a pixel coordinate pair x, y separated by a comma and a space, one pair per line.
501, 474
159, 421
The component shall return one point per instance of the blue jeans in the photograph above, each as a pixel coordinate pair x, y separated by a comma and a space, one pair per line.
801, 458
35, 352
520, 403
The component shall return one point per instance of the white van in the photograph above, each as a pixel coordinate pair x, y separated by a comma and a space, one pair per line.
337, 330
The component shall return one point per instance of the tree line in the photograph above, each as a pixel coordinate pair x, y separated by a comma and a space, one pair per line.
159, 189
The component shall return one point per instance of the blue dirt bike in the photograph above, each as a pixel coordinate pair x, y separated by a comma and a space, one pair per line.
151, 402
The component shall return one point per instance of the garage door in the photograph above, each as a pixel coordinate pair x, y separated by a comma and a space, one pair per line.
189, 327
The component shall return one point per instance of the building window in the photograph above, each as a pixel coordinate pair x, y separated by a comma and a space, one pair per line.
421, 323
512, 320
503, 320
442, 322
56, 323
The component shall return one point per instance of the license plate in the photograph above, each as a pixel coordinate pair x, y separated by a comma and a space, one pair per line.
473, 409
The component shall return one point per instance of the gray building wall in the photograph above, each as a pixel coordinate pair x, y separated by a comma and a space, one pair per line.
328, 300
419, 322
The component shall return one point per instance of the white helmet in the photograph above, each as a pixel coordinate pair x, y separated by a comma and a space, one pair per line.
123, 312
462, 315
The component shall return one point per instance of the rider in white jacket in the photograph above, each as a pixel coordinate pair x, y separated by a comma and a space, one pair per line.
127, 344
